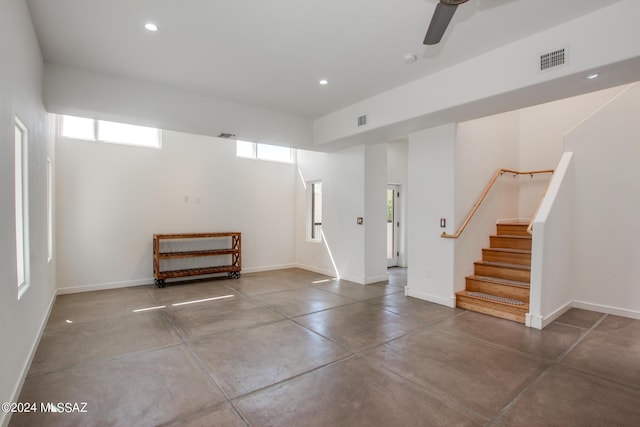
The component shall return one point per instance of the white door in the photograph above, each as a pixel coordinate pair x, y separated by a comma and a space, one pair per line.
393, 225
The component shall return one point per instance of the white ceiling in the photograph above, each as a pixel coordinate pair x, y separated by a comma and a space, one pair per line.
272, 53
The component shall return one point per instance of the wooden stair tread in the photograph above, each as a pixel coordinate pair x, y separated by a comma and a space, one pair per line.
499, 281
511, 236
504, 264
516, 313
479, 295
508, 250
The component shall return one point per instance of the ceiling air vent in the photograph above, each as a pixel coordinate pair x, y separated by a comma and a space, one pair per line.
552, 59
226, 135
362, 120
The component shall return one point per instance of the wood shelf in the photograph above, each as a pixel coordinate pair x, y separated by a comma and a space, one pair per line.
234, 251
194, 254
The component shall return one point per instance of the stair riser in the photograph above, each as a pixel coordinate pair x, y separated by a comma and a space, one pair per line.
510, 242
513, 229
502, 272
508, 257
491, 308
507, 291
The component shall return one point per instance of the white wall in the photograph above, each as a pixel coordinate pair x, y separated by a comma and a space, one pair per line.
353, 185
313, 255
542, 129
482, 147
552, 254
397, 173
21, 321
431, 197
375, 218
113, 198
607, 208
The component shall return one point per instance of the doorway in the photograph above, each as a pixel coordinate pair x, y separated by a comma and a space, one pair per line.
393, 225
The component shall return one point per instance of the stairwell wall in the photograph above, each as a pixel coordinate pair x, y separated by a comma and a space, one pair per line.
607, 207
541, 131
482, 147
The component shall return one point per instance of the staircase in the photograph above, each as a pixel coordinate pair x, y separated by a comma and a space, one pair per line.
500, 283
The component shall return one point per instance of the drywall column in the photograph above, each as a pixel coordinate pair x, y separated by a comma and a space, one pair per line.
375, 213
431, 197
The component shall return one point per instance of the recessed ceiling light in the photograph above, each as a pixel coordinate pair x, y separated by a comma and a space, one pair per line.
324, 82
592, 76
150, 26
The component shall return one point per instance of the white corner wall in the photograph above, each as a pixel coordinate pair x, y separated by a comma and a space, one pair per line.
353, 185
112, 199
22, 320
431, 197
607, 207
313, 255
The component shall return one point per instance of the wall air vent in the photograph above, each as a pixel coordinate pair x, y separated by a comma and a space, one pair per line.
553, 59
226, 135
362, 120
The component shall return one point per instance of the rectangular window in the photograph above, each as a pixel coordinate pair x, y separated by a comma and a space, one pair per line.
21, 206
271, 153
105, 131
49, 210
121, 133
315, 210
78, 128
246, 149
274, 153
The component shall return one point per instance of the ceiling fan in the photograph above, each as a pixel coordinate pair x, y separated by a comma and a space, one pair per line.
440, 20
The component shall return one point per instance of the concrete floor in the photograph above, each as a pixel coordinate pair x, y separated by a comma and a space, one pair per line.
295, 348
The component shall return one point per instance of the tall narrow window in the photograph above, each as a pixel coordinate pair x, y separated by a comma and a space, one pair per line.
315, 210
21, 206
49, 210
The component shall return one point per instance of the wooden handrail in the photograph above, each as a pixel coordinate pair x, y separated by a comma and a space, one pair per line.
484, 194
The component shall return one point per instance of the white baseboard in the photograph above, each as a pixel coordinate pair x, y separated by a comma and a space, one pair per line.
548, 319
6, 417
329, 273
149, 281
448, 302
104, 286
268, 268
376, 279
540, 322
606, 309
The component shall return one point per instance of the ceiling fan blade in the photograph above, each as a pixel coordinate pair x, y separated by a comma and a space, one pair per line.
439, 22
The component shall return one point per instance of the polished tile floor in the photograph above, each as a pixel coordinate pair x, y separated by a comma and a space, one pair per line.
295, 348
